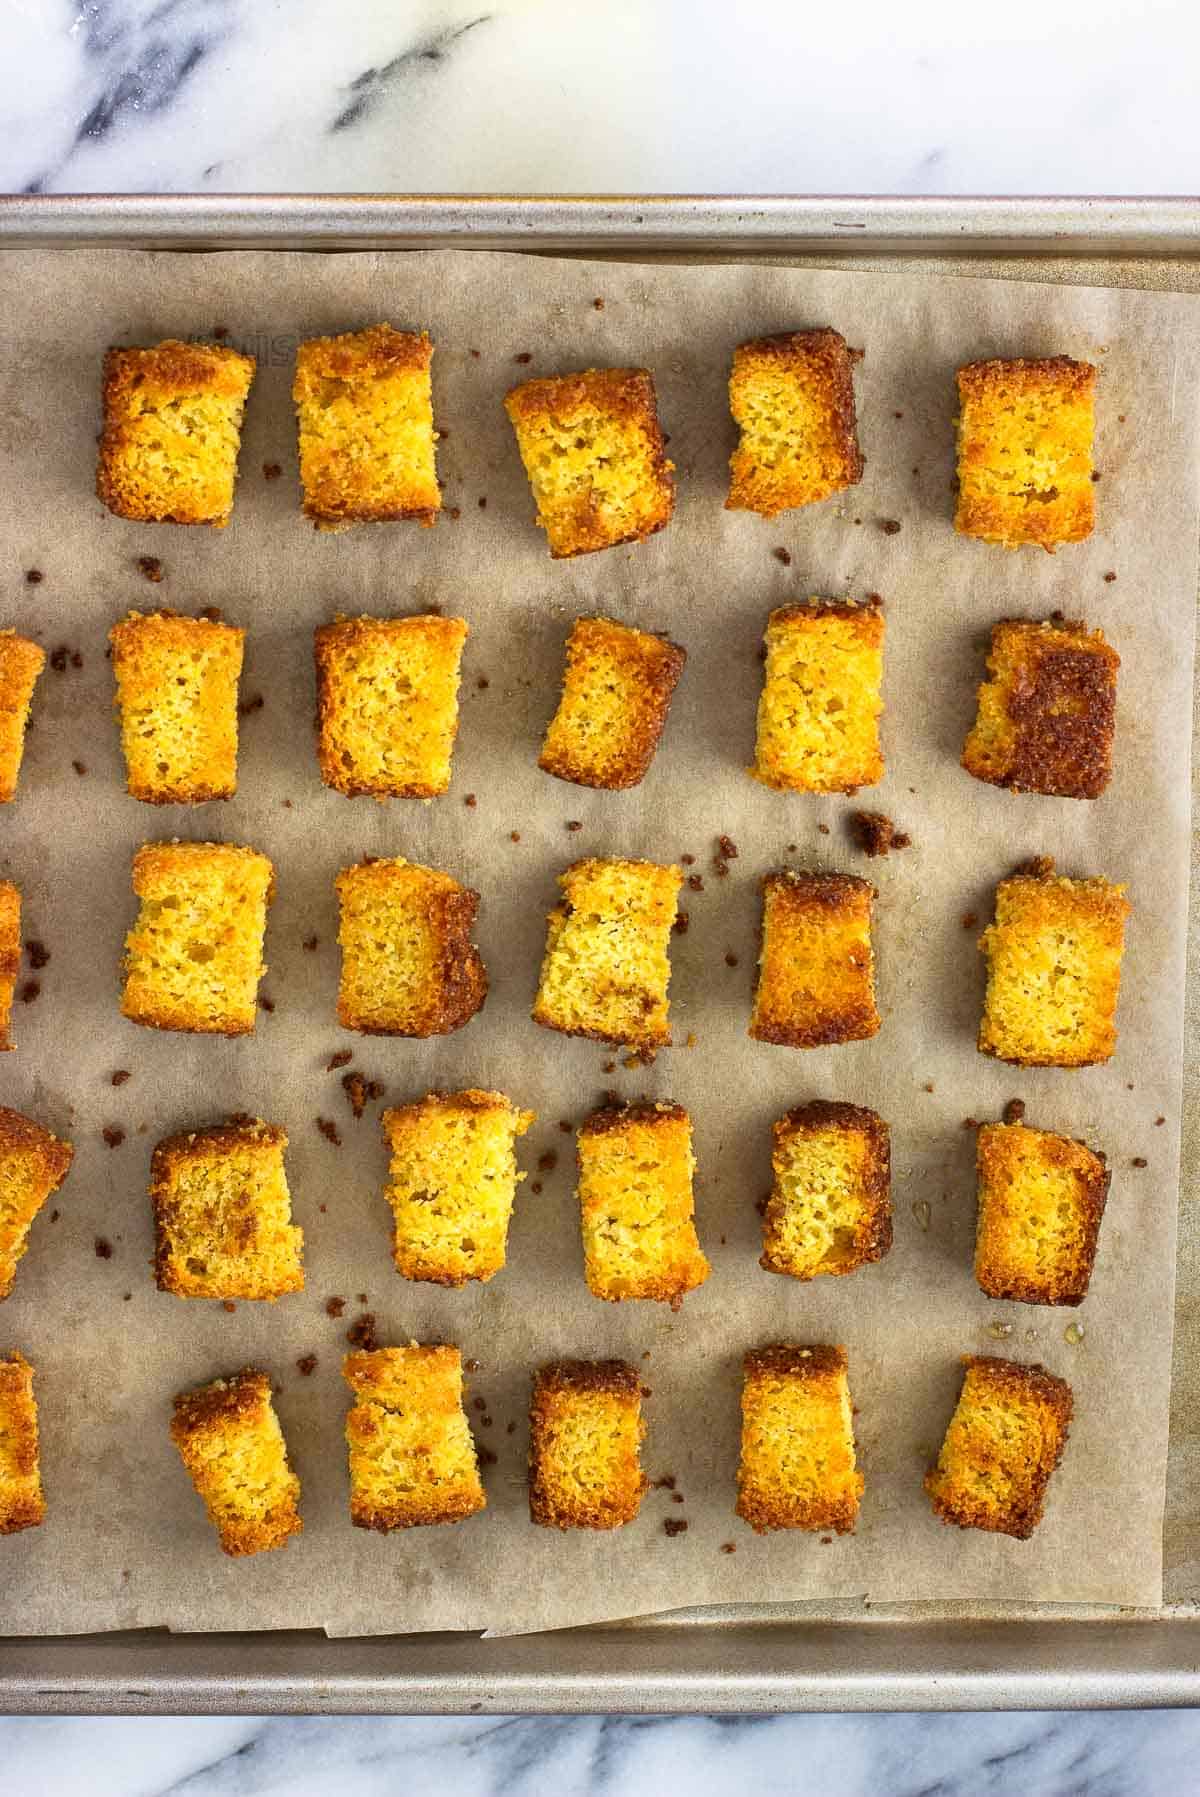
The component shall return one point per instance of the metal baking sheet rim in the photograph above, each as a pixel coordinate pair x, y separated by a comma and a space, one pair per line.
935, 1658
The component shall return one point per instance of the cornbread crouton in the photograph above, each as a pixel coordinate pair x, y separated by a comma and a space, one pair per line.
1054, 970
20, 664
1004, 1440
606, 970
797, 1469
409, 967
387, 704
830, 1208
451, 1183
33, 1164
816, 971
616, 694
1025, 451
1041, 1199
194, 957
10, 956
595, 457
586, 1428
792, 397
412, 1459
229, 1439
1045, 720
223, 1214
635, 1197
22, 1504
818, 716
172, 430
364, 408
177, 695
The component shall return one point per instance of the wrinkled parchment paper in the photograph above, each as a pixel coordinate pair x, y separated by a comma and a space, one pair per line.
125, 1542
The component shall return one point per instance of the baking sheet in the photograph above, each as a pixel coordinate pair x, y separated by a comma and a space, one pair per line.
126, 1543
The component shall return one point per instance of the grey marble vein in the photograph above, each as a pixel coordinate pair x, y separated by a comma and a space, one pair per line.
366, 90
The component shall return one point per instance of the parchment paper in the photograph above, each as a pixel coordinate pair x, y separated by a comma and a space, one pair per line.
125, 1542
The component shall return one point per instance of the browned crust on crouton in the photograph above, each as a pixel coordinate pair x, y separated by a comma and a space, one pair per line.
616, 694
1046, 715
618, 1116
10, 956
457, 978
963, 1457
873, 1231
1005, 1266
825, 354
21, 661
39, 1163
557, 1498
838, 1003
22, 1501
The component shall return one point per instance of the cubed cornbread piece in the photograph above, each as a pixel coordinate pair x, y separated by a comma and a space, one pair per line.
595, 457
223, 1214
387, 704
586, 1428
616, 693
797, 1469
412, 1457
177, 695
818, 715
364, 408
194, 957
20, 664
830, 1208
229, 1439
1004, 1440
33, 1164
10, 956
22, 1505
606, 969
635, 1196
451, 1183
792, 397
816, 971
172, 429
409, 967
1025, 451
1041, 1199
1054, 970
1045, 721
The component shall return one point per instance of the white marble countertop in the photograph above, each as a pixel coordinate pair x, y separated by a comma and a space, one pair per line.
1035, 96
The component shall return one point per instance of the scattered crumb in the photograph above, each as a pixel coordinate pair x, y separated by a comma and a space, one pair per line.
125, 1297
566, 1127
695, 883
535, 1187
682, 920
1158, 1121
55, 1215
29, 991
827, 1541
688, 860
104, 1248
483, 502
928, 1087
574, 823
1014, 1111
80, 768
307, 1365
34, 577
970, 1123
968, 920
113, 1135
266, 1003
666, 1483
342, 1058
334, 1307
361, 1333
120, 1076
150, 568
58, 658
782, 555
254, 703
474, 354
271, 470
309, 945
1139, 1160
675, 1525
729, 1547
483, 683
470, 801
229, 1305
454, 512
890, 527
598, 304
1110, 577
510, 1429
514, 836
692, 1039
609, 1067
361, 1091
212, 613
548, 1161
727, 848
731, 959
524, 358
38, 953
330, 1131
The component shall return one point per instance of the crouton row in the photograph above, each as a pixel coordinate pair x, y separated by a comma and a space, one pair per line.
591, 442
413, 1460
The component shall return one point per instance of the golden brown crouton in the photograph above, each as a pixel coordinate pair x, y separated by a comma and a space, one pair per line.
616, 694
387, 704
412, 1459
606, 970
635, 1196
452, 1181
586, 1428
33, 1164
194, 957
22, 1505
1054, 970
1041, 1199
797, 1469
177, 693
818, 716
1004, 1440
364, 407
172, 429
792, 397
1045, 720
229, 1439
20, 664
816, 971
10, 956
1025, 451
595, 457
409, 967
830, 1208
223, 1214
